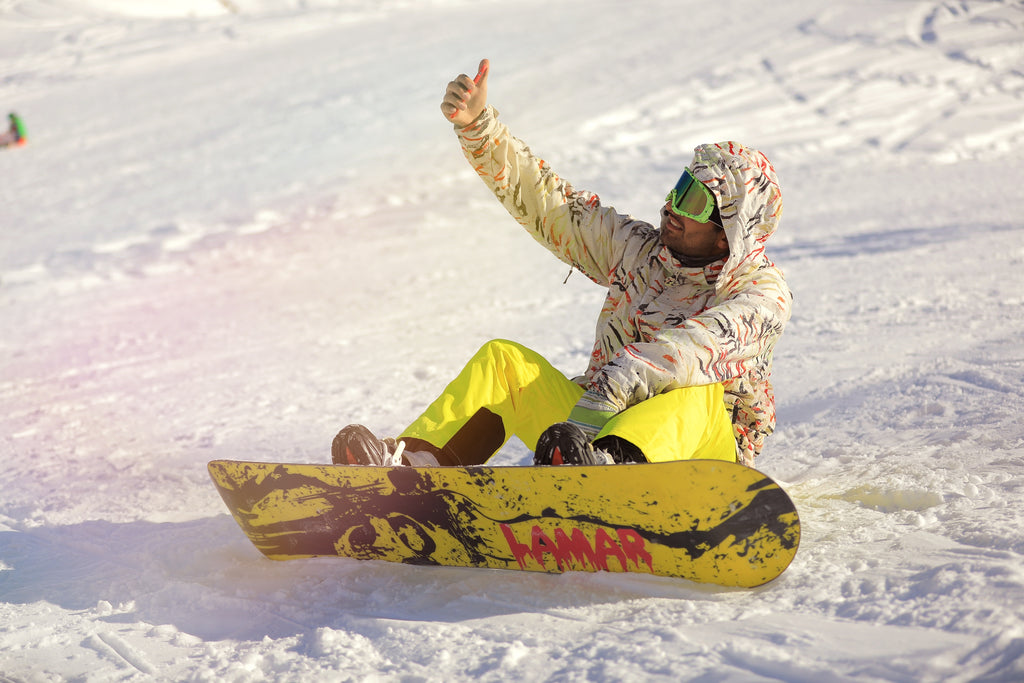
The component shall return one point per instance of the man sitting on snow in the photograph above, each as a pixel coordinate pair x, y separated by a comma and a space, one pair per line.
682, 360
15, 135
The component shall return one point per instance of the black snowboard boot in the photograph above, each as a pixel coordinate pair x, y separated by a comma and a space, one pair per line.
620, 450
566, 444
356, 445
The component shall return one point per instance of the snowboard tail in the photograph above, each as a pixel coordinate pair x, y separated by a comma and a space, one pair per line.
703, 520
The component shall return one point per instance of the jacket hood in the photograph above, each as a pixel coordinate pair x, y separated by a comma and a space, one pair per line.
749, 198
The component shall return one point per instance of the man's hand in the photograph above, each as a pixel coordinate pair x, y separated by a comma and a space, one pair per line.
465, 97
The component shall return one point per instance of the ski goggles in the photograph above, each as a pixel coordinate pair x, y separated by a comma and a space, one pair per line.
691, 198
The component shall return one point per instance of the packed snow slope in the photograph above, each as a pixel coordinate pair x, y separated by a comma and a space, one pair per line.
240, 225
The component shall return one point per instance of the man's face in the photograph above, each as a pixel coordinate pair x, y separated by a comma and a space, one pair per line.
687, 237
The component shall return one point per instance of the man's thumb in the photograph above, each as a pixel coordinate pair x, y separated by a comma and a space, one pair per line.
481, 74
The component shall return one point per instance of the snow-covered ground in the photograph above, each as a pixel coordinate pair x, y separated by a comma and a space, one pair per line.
240, 225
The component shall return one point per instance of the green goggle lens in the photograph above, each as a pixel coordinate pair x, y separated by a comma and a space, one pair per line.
691, 198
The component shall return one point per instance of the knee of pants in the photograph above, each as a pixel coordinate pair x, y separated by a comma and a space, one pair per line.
539, 394
510, 381
501, 353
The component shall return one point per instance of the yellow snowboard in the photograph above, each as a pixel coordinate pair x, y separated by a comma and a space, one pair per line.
704, 520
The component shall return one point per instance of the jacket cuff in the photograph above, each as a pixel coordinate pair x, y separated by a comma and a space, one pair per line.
479, 126
591, 413
593, 401
590, 421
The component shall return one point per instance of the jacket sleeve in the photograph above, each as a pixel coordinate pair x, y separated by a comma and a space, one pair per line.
731, 340
571, 224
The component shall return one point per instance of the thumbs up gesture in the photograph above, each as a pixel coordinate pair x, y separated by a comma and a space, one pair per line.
465, 97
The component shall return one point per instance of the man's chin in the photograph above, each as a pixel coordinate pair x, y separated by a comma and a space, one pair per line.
666, 241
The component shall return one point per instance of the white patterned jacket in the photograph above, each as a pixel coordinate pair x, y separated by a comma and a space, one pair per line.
663, 325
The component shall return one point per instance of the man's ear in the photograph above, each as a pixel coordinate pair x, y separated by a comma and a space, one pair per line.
723, 240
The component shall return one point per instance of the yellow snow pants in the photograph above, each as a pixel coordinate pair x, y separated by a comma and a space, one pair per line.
506, 389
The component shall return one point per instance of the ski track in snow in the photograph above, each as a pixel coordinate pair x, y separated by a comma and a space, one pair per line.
240, 225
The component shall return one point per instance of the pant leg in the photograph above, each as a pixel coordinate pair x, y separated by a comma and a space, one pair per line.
504, 390
682, 424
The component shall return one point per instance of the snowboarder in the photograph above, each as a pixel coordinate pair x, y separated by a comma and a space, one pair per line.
682, 358
15, 135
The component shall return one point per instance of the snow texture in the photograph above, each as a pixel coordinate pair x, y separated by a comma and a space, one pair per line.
240, 225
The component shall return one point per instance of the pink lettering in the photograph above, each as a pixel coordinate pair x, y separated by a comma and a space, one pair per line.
542, 544
519, 550
573, 548
576, 547
606, 546
635, 548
